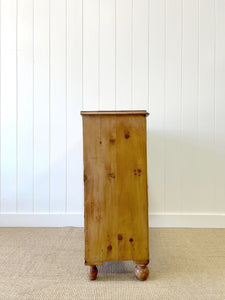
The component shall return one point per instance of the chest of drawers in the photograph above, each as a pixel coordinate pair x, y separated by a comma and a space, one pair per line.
115, 189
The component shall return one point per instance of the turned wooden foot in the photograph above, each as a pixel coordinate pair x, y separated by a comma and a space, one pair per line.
92, 272
141, 272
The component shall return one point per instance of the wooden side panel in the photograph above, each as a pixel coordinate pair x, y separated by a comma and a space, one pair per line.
115, 186
131, 188
93, 190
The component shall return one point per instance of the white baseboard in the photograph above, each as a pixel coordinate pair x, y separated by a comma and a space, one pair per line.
41, 220
190, 220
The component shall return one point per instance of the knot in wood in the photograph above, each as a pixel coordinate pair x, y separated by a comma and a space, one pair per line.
112, 175
120, 237
109, 247
127, 135
112, 141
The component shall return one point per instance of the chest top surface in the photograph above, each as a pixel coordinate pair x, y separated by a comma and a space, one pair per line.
115, 112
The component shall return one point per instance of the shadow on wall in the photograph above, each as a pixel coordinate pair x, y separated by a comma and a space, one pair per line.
185, 174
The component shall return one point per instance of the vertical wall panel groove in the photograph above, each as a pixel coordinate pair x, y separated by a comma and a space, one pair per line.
132, 55
41, 119
16, 105
8, 106
99, 51
33, 105
173, 106
214, 104
107, 55
189, 141
74, 93
91, 54
0, 107
149, 5
198, 68
66, 96
205, 168
140, 54
214, 70
182, 148
181, 72
157, 104
115, 54
148, 101
164, 113
49, 209
219, 206
58, 106
123, 54
82, 54
25, 106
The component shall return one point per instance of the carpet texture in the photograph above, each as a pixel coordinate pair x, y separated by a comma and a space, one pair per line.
47, 263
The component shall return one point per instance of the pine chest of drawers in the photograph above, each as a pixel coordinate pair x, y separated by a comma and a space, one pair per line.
115, 189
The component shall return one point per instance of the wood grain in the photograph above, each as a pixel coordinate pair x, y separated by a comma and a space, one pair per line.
115, 188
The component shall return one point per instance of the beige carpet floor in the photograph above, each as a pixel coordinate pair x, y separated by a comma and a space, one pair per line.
47, 263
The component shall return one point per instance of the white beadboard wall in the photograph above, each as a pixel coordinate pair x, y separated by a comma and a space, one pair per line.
62, 56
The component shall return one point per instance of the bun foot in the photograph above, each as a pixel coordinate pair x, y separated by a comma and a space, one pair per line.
141, 272
92, 272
